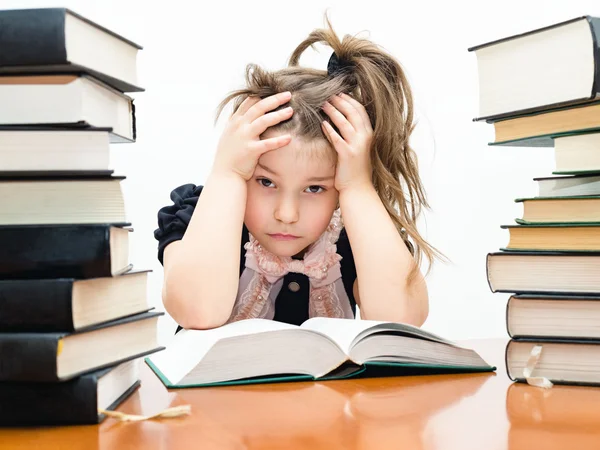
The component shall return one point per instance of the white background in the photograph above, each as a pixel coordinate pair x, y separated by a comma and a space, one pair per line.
195, 53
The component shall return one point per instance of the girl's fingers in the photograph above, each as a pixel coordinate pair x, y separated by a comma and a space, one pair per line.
245, 105
326, 133
266, 145
340, 121
334, 138
265, 121
366, 121
265, 105
350, 113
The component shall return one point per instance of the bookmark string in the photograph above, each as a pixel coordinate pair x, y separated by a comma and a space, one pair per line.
534, 357
176, 411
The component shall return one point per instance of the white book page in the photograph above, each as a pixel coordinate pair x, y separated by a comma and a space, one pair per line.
189, 347
345, 331
341, 331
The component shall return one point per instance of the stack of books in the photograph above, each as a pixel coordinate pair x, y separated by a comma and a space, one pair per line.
542, 88
74, 316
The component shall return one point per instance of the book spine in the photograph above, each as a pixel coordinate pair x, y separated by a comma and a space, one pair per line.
487, 271
508, 305
29, 356
133, 121
506, 361
72, 402
595, 28
69, 251
36, 305
32, 37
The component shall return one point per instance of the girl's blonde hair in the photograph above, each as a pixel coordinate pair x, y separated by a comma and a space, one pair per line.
378, 82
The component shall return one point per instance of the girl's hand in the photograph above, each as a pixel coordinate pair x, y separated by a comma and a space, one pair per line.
240, 145
353, 147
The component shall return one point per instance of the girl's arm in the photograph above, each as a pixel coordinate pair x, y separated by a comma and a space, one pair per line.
201, 272
382, 260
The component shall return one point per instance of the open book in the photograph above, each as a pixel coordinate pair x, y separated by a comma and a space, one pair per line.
260, 351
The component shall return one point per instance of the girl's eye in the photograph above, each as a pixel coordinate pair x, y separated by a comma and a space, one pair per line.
315, 189
265, 182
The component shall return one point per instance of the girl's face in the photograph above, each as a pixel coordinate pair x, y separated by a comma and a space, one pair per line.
291, 196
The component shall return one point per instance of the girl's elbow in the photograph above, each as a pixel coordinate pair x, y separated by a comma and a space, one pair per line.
190, 311
415, 309
423, 313
419, 296
200, 323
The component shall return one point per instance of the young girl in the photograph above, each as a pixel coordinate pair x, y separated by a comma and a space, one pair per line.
311, 201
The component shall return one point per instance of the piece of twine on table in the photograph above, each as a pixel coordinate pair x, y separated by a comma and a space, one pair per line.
169, 413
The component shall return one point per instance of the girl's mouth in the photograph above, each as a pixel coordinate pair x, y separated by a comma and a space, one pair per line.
283, 237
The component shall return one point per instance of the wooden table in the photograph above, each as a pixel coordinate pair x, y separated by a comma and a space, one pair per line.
473, 411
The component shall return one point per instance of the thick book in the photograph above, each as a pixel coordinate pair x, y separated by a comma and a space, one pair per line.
544, 272
57, 40
69, 304
545, 68
560, 210
563, 237
73, 402
261, 351
54, 357
65, 199
562, 361
568, 186
63, 251
553, 315
539, 129
41, 151
66, 101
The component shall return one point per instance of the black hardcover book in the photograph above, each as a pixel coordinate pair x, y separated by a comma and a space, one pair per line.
64, 198
548, 62
51, 151
68, 304
60, 175
537, 272
53, 357
63, 251
56, 174
37, 41
74, 402
562, 361
63, 128
86, 103
553, 315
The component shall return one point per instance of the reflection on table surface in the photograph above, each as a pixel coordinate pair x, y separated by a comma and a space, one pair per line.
471, 411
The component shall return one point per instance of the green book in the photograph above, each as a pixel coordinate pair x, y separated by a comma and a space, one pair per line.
578, 185
560, 237
266, 351
543, 140
580, 209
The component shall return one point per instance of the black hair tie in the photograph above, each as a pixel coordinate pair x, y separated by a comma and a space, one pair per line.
337, 65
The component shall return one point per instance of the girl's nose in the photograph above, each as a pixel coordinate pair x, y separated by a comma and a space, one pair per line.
287, 210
